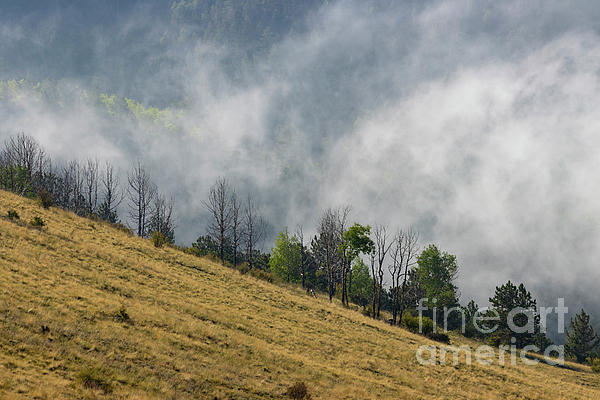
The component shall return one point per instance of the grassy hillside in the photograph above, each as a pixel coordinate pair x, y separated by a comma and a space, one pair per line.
87, 311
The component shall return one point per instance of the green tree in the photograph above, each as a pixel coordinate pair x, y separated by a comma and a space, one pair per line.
355, 241
510, 298
361, 290
436, 272
286, 257
582, 342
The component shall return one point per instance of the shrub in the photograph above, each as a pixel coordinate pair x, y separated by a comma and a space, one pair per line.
298, 391
123, 316
243, 268
411, 323
263, 275
46, 198
124, 228
595, 365
95, 378
439, 337
157, 239
37, 222
13, 215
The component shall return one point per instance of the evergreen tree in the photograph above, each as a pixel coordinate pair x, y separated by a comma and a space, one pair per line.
509, 297
582, 342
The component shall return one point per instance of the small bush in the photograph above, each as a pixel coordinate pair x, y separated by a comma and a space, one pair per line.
263, 275
95, 378
243, 268
595, 365
439, 337
411, 323
124, 228
46, 198
37, 222
13, 215
123, 316
298, 391
158, 239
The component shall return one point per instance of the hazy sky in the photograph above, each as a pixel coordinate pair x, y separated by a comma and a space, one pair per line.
474, 122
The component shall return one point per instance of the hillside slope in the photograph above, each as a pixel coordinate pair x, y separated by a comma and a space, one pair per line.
198, 330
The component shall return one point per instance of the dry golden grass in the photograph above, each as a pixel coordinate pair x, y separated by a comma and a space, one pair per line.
198, 330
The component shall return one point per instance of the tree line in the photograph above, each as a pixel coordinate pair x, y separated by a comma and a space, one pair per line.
342, 260
86, 188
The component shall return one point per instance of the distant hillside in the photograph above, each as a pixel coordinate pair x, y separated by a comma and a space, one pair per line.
90, 312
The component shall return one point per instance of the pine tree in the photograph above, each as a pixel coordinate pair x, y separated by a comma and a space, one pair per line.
582, 342
509, 297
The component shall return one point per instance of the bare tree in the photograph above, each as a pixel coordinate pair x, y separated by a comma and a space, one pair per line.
90, 178
72, 188
409, 249
112, 194
234, 203
326, 246
161, 217
140, 191
303, 254
218, 206
25, 163
382, 246
254, 228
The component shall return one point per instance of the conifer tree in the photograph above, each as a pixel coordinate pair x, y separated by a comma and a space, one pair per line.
582, 342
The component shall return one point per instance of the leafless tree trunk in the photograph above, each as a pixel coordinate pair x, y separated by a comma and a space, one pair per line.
326, 246
254, 228
303, 256
161, 217
220, 210
112, 195
25, 159
409, 249
373, 274
395, 270
90, 176
235, 225
382, 246
73, 188
140, 191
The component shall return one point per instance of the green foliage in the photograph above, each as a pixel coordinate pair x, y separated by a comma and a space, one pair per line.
594, 364
411, 322
356, 240
582, 342
95, 378
46, 198
361, 291
436, 273
37, 222
13, 215
471, 310
509, 297
261, 274
439, 337
16, 179
298, 391
122, 316
158, 239
105, 213
286, 257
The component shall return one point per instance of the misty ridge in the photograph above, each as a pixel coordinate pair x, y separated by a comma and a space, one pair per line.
472, 124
